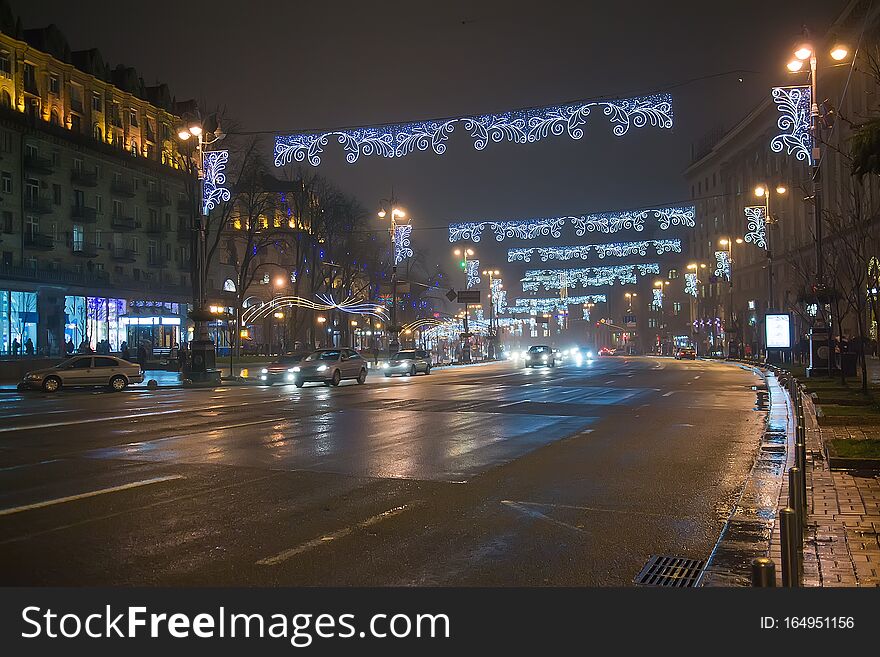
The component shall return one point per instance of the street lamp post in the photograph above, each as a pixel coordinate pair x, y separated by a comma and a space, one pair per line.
661, 285
491, 273
466, 346
728, 243
763, 191
203, 352
806, 52
394, 329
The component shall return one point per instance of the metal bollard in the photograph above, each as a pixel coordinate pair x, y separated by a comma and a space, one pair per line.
796, 496
802, 452
763, 572
790, 556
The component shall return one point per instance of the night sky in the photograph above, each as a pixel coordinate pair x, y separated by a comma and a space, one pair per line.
288, 66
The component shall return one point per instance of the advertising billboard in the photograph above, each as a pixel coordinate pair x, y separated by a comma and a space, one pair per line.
777, 328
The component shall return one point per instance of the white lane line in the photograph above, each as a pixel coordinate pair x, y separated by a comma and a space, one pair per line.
609, 382
28, 465
82, 496
576, 507
697, 376
327, 538
670, 393
532, 513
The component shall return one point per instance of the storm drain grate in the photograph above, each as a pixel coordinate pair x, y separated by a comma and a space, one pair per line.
675, 572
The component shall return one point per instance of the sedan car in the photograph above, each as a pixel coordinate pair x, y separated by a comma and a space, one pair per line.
330, 367
607, 351
539, 355
281, 370
686, 353
85, 370
408, 362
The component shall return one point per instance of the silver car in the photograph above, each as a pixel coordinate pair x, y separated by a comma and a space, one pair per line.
408, 362
330, 366
85, 370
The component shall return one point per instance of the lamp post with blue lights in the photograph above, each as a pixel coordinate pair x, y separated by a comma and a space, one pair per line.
395, 212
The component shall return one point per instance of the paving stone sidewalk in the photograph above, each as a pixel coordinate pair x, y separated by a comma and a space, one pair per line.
842, 543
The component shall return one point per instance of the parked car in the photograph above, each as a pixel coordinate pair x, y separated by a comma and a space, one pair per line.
607, 351
281, 369
330, 366
85, 370
408, 362
540, 355
686, 353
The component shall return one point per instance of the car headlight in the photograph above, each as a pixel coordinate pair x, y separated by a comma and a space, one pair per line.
544, 358
322, 368
264, 371
294, 369
30, 375
589, 354
383, 365
527, 357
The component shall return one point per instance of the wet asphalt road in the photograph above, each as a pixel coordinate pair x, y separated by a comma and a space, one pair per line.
485, 475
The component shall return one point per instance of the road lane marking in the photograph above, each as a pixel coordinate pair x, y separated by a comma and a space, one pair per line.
327, 538
28, 465
670, 393
576, 507
697, 376
82, 496
532, 513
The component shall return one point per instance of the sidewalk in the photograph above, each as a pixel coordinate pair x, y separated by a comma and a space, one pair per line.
842, 543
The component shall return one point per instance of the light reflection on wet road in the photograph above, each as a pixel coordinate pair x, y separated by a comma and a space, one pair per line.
498, 475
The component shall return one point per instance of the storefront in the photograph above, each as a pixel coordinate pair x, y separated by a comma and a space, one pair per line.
94, 320
18, 321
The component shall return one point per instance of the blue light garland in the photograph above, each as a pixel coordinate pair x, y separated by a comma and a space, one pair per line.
794, 106
473, 273
690, 283
214, 179
557, 279
402, 249
613, 222
657, 301
519, 126
722, 264
532, 305
525, 229
617, 250
756, 225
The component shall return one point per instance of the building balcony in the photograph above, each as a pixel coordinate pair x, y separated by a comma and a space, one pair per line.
38, 204
38, 164
122, 188
56, 276
84, 178
157, 261
154, 228
157, 199
76, 105
124, 223
124, 255
39, 241
85, 249
83, 214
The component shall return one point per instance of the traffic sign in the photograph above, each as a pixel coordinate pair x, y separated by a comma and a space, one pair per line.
469, 296
451, 295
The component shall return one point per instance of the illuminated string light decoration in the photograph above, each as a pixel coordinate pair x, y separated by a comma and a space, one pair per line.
499, 296
451, 329
617, 250
657, 302
519, 127
525, 229
793, 105
402, 249
557, 279
756, 220
549, 304
722, 264
690, 283
325, 302
213, 189
473, 273
613, 222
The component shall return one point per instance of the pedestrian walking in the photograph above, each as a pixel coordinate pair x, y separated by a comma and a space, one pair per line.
16, 346
181, 357
29, 347
68, 347
142, 356
125, 351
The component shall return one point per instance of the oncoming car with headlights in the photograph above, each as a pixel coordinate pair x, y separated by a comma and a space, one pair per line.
330, 367
541, 355
409, 362
281, 369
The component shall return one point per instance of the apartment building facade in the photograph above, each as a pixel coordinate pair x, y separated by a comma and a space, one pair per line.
94, 217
